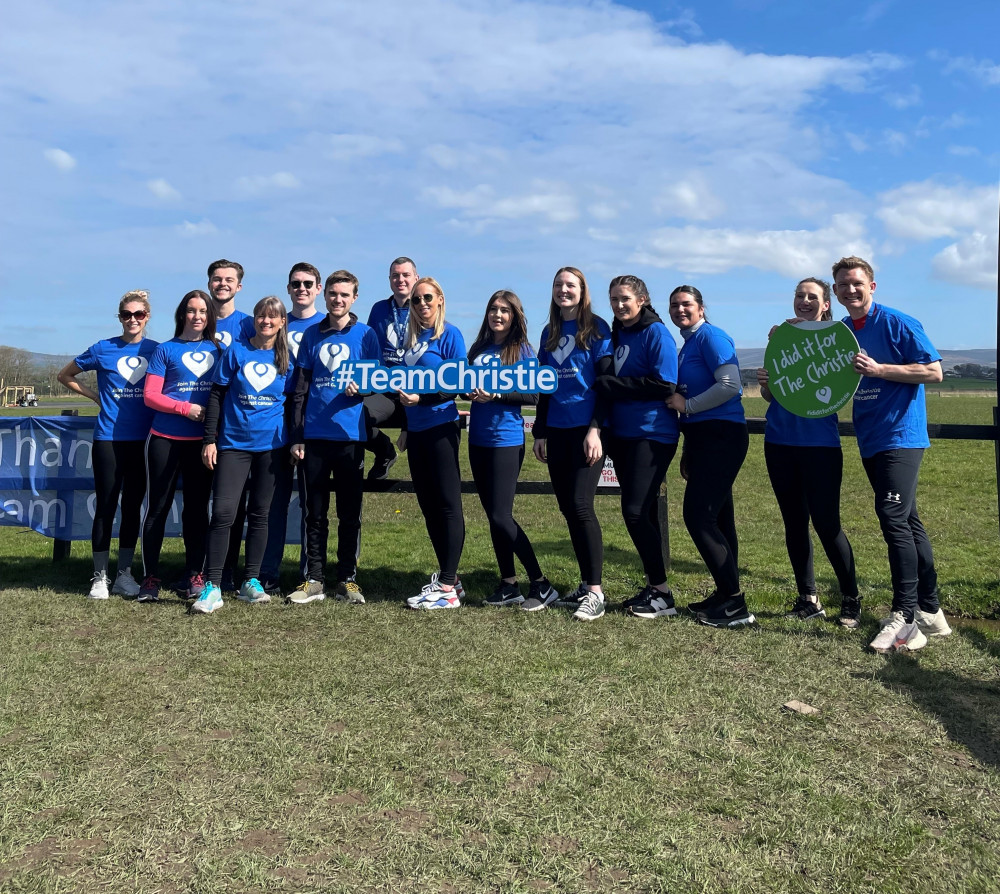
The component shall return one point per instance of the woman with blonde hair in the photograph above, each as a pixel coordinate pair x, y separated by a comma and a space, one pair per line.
432, 438
119, 438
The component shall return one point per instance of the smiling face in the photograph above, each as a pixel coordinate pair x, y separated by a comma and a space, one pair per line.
855, 291
340, 296
500, 317
401, 280
195, 319
223, 285
133, 328
685, 311
809, 303
303, 289
567, 292
268, 324
626, 305
425, 304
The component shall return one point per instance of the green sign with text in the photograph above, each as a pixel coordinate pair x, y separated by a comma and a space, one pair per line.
809, 367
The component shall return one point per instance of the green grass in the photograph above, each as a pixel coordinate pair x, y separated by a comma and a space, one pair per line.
339, 748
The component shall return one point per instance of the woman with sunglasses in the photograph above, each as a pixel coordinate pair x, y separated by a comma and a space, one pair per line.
496, 448
641, 435
805, 464
119, 437
708, 398
177, 387
568, 436
432, 439
245, 440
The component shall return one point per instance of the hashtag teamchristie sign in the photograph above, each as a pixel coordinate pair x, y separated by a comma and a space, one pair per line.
451, 377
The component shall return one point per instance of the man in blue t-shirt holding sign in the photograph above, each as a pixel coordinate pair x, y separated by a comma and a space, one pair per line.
890, 419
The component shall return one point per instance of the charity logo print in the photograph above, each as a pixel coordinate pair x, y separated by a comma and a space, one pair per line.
259, 374
563, 349
132, 369
332, 355
199, 362
621, 355
412, 355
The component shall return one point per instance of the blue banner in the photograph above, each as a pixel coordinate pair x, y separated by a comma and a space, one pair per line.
47, 478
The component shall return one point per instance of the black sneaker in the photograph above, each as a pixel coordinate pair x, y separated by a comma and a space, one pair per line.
271, 586
505, 594
850, 612
228, 584
732, 612
697, 608
660, 605
540, 595
640, 598
385, 459
572, 600
806, 609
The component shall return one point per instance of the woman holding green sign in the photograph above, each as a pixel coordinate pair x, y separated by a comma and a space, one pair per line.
805, 464
715, 445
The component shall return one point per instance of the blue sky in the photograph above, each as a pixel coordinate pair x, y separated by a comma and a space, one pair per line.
738, 146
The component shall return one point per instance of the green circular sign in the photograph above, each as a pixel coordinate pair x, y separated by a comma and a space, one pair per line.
809, 367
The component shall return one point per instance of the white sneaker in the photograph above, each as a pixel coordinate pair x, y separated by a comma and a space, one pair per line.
98, 586
209, 601
125, 584
414, 601
591, 608
897, 634
932, 624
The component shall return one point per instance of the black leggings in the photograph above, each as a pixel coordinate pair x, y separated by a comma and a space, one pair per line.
165, 459
277, 520
806, 483
714, 451
119, 468
438, 483
575, 484
232, 470
495, 471
641, 465
344, 460
893, 475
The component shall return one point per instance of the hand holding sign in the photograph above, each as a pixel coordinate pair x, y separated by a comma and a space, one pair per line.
810, 367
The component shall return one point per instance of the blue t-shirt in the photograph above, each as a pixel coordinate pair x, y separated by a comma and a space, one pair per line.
297, 328
572, 405
891, 415
784, 427
187, 368
389, 321
649, 351
238, 326
703, 352
253, 410
330, 415
496, 424
121, 371
433, 352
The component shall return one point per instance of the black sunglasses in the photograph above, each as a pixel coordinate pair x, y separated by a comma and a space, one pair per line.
302, 283
423, 299
138, 315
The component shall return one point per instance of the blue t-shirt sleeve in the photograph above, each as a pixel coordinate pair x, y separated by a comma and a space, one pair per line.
88, 359
663, 353
717, 350
453, 345
227, 367
158, 362
914, 345
370, 348
602, 347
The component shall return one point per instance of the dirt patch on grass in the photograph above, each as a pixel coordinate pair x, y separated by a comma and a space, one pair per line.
48, 813
560, 844
531, 778
350, 798
219, 735
269, 842
407, 819
52, 853
335, 728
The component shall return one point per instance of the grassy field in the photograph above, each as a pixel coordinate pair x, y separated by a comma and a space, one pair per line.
340, 748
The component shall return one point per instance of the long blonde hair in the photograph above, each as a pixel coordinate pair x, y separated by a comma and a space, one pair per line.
413, 325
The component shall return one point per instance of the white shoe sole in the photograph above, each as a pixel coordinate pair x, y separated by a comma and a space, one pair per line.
305, 600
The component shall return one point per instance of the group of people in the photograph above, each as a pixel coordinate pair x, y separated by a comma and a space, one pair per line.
238, 405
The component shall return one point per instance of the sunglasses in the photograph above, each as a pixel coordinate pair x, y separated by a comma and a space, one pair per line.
302, 283
137, 315
422, 299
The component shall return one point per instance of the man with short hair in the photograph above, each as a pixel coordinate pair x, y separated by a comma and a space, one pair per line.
890, 419
328, 430
389, 319
304, 285
225, 279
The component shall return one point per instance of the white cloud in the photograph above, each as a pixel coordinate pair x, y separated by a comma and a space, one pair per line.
984, 70
349, 146
930, 210
551, 202
905, 99
162, 190
600, 235
971, 261
60, 159
264, 182
192, 230
788, 252
602, 211
691, 198
964, 151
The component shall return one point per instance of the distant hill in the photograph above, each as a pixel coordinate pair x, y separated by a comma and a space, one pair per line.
754, 357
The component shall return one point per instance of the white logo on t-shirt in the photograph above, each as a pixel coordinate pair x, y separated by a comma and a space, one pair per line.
132, 369
259, 374
331, 355
225, 338
563, 349
412, 355
621, 355
199, 362
294, 340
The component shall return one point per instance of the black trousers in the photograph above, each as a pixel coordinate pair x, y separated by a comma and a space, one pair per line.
344, 460
119, 469
438, 483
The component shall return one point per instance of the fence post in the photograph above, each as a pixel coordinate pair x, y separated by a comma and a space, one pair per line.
61, 549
